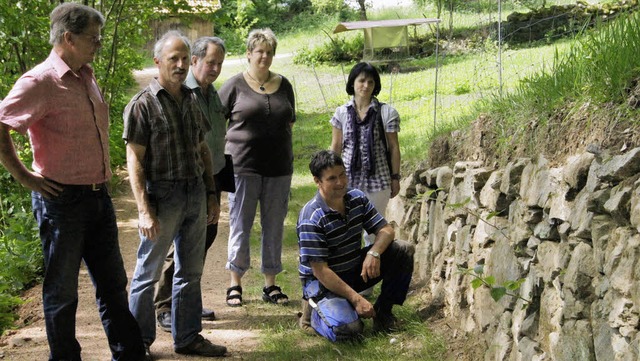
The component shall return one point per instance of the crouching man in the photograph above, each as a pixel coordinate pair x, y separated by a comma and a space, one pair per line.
334, 266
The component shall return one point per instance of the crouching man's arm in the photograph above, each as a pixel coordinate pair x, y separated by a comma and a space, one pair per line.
335, 284
371, 264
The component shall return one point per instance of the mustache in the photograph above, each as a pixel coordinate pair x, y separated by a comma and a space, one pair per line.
180, 71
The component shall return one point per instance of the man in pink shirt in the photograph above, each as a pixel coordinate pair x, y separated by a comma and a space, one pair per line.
58, 103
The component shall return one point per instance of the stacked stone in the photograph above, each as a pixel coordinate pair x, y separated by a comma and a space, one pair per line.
571, 232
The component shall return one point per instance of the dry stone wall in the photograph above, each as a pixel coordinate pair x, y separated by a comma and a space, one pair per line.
571, 232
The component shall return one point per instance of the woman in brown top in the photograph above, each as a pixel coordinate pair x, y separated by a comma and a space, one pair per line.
261, 113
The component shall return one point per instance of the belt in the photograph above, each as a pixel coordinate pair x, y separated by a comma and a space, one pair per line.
93, 187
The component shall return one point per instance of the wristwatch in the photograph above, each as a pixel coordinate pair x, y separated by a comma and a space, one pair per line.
395, 176
374, 254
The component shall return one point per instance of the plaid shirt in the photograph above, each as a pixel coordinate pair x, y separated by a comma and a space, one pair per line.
324, 235
171, 132
381, 179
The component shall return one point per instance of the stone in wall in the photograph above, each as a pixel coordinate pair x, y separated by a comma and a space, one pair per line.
534, 184
612, 341
601, 230
525, 319
578, 291
547, 228
575, 342
468, 180
613, 255
444, 178
551, 310
580, 218
491, 197
501, 343
510, 184
576, 170
520, 217
634, 207
527, 350
619, 203
560, 202
620, 167
423, 261
437, 228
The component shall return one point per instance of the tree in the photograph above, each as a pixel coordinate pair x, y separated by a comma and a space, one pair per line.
23, 39
363, 9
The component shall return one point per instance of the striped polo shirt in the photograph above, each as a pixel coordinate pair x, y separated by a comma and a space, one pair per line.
324, 235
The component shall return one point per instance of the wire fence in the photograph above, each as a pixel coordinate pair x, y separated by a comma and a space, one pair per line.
445, 89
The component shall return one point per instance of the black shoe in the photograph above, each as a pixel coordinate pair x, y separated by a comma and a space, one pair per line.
208, 314
385, 322
147, 354
202, 347
164, 321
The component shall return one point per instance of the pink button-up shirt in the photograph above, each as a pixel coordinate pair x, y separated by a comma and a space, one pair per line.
67, 121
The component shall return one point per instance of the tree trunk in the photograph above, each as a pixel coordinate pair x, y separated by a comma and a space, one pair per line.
363, 10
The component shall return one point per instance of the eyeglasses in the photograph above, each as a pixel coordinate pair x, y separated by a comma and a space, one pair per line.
96, 39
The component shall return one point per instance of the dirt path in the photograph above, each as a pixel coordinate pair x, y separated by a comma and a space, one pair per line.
30, 342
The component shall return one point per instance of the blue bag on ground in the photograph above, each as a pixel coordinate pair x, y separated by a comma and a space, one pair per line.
334, 318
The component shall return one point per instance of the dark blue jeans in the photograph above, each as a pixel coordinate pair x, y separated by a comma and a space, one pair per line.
80, 225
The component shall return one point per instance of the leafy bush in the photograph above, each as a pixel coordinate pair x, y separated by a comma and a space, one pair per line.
329, 6
337, 50
23, 39
20, 251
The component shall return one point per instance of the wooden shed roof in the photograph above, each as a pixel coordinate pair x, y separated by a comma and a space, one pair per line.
355, 25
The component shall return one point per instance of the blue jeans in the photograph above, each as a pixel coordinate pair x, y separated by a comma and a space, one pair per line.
80, 224
273, 195
181, 211
163, 295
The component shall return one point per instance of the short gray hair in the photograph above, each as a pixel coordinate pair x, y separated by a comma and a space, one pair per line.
74, 18
260, 36
157, 49
201, 44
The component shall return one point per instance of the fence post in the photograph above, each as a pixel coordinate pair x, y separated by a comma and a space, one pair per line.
326, 105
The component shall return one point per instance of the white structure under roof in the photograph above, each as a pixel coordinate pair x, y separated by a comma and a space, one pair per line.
385, 40
355, 25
